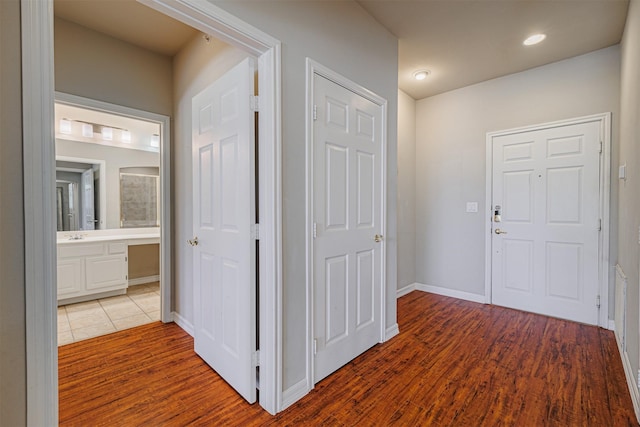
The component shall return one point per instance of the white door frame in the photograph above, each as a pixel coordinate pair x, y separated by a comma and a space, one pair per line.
314, 68
604, 119
39, 178
165, 182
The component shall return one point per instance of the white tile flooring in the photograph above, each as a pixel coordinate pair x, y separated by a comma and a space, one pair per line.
77, 322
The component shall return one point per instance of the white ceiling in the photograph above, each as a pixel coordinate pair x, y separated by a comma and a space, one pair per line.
461, 42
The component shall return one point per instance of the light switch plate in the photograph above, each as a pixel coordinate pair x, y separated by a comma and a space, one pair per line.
472, 207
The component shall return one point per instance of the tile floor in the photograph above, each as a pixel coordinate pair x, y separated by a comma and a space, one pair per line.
77, 322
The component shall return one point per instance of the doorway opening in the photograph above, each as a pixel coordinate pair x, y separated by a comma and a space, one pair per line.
40, 252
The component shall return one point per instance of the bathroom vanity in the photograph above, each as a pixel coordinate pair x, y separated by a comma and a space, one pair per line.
94, 264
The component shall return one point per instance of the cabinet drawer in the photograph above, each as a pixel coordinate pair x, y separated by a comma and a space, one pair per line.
80, 250
117, 248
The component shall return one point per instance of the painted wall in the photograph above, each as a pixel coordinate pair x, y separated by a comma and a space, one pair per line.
144, 261
96, 66
450, 155
343, 37
13, 378
195, 67
115, 159
406, 190
629, 204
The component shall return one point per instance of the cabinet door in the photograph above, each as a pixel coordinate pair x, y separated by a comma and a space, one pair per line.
69, 277
106, 272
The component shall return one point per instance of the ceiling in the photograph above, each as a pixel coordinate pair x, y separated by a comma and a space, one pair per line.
462, 42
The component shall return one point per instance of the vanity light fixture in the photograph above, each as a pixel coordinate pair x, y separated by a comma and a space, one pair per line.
534, 39
107, 133
65, 126
155, 140
87, 130
126, 136
421, 74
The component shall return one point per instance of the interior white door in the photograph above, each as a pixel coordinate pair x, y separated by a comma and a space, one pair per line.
88, 214
545, 248
347, 188
223, 215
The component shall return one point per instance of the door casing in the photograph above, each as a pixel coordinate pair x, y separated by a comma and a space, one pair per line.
604, 119
314, 68
39, 178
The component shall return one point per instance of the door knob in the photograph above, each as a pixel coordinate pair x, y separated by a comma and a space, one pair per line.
378, 238
498, 231
193, 242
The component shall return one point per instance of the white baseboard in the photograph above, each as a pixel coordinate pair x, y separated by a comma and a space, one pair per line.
612, 325
183, 323
143, 280
468, 296
294, 393
405, 290
391, 332
631, 380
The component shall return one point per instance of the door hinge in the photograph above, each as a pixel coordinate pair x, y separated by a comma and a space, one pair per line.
255, 232
315, 112
254, 102
315, 230
315, 346
126, 259
255, 358
600, 147
599, 224
598, 301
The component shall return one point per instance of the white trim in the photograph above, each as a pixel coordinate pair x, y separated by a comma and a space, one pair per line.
165, 182
605, 196
294, 393
405, 290
631, 379
37, 55
612, 325
39, 228
314, 68
391, 332
215, 21
142, 280
183, 323
454, 293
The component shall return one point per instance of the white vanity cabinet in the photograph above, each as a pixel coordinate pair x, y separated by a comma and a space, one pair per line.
89, 270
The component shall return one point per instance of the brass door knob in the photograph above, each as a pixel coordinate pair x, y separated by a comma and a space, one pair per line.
378, 238
498, 231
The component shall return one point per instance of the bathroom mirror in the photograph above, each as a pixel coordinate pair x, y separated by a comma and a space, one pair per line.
107, 170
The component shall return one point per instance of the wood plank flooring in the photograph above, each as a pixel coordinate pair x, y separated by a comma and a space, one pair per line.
455, 363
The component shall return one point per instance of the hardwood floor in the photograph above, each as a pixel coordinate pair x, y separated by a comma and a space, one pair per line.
455, 363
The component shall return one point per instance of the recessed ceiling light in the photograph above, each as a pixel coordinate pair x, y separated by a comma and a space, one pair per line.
534, 39
421, 75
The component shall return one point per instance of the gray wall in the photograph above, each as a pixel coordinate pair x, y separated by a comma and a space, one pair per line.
115, 158
450, 155
406, 190
13, 388
196, 66
343, 37
629, 196
96, 66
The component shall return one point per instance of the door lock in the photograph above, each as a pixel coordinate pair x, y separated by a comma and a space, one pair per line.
194, 241
378, 238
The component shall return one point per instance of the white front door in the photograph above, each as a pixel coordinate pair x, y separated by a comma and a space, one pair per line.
545, 248
88, 215
348, 211
223, 216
